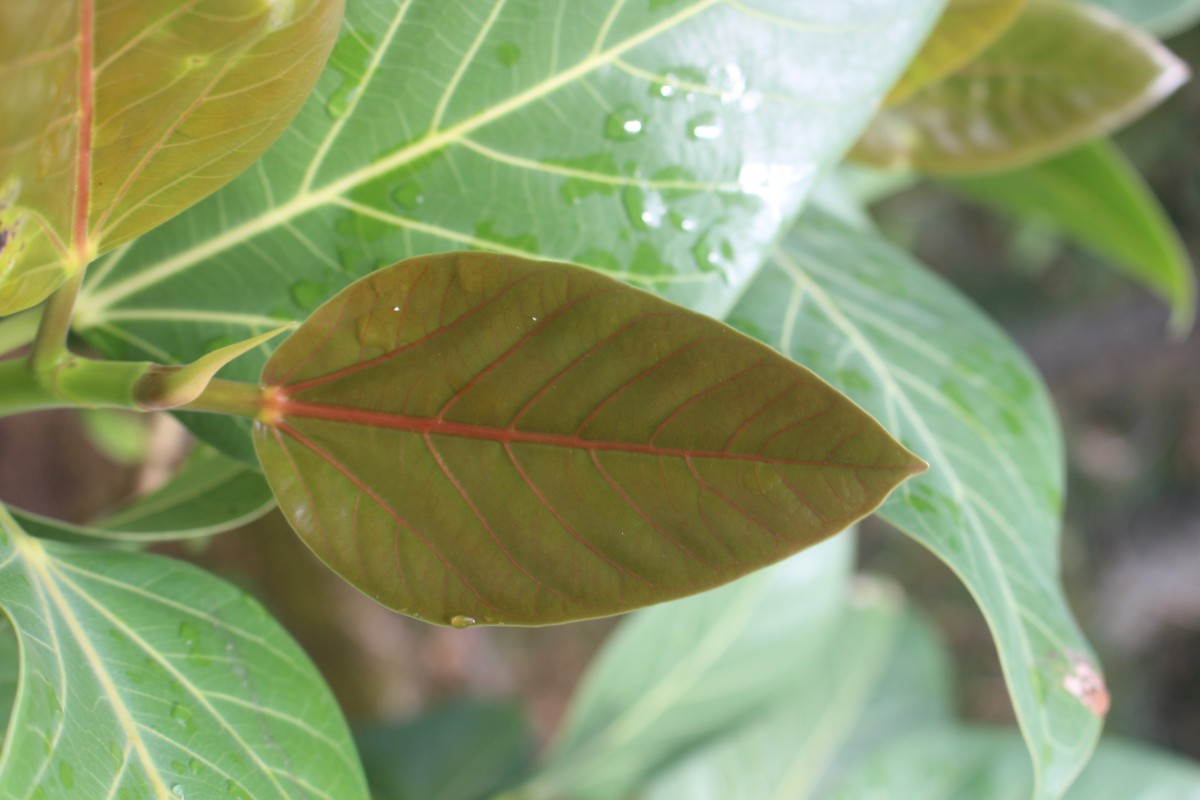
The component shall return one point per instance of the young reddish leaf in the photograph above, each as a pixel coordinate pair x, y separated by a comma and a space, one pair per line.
479, 438
118, 115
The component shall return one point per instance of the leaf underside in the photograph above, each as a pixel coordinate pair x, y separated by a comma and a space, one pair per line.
143, 677
478, 438
952, 387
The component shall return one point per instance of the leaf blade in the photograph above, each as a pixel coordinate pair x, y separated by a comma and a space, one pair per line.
251, 718
953, 388
1094, 194
123, 115
1024, 98
532, 442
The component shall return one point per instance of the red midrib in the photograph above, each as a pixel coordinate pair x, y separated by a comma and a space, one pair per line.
288, 408
83, 160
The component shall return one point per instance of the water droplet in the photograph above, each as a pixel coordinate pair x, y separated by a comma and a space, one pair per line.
235, 791
308, 294
196, 61
190, 635
645, 209
713, 256
66, 774
342, 99
281, 13
195, 767
408, 195
508, 54
705, 126
624, 124
461, 621
178, 791
184, 716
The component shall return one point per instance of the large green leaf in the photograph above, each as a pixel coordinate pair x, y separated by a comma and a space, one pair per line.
1095, 195
118, 115
972, 763
1064, 73
466, 750
479, 438
664, 141
211, 494
144, 677
910, 350
881, 676
674, 676
966, 27
1160, 17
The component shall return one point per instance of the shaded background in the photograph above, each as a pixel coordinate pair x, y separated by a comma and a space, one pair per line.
1128, 394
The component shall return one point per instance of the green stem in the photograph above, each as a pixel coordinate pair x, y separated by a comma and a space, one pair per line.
19, 330
50, 344
76, 382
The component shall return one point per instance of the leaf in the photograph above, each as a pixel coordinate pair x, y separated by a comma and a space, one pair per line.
882, 675
1064, 73
211, 494
952, 387
674, 676
662, 142
145, 677
976, 763
1161, 17
120, 115
9, 665
466, 750
964, 30
1096, 196
478, 438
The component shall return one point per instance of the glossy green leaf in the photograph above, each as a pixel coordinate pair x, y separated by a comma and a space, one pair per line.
951, 385
1094, 195
662, 141
466, 750
973, 763
882, 675
9, 672
675, 676
211, 494
965, 28
1063, 74
1160, 17
478, 438
120, 115
145, 677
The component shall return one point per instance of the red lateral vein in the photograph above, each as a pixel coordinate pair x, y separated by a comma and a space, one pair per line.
83, 157
290, 408
358, 482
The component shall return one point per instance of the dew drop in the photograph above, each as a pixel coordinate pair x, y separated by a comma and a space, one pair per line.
461, 621
624, 124
66, 774
408, 196
184, 716
195, 767
189, 634
178, 791
235, 791
705, 126
342, 99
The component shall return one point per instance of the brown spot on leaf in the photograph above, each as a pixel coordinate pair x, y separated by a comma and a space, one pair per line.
1086, 683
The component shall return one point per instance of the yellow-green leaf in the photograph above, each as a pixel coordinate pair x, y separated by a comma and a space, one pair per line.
966, 27
1064, 73
118, 115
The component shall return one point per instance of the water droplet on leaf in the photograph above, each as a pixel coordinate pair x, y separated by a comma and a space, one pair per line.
184, 716
705, 126
624, 124
308, 294
508, 54
461, 621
